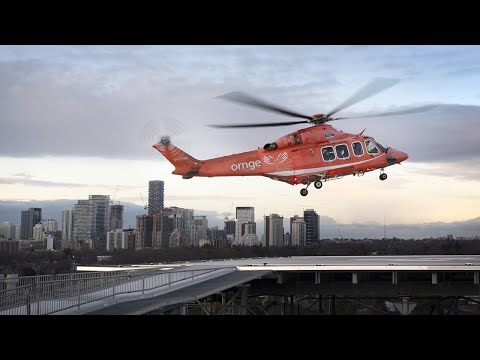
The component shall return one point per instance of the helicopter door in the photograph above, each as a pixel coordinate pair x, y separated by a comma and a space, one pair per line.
304, 156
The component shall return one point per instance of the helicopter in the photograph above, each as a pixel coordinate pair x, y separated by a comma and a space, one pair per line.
314, 154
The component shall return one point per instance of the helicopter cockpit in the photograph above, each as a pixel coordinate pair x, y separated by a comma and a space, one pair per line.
372, 145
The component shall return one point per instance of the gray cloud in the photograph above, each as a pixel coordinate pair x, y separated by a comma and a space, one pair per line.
27, 181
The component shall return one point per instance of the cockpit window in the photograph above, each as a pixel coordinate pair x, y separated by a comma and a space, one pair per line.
328, 154
342, 151
371, 148
357, 148
381, 146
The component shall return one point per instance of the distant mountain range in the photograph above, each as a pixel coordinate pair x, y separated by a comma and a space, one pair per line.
329, 228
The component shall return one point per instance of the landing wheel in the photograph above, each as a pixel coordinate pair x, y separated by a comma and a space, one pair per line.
383, 176
304, 192
318, 184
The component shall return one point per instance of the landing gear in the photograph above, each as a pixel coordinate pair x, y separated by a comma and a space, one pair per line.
383, 176
318, 184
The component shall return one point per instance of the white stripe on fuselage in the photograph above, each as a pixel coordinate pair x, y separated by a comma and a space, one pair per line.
320, 169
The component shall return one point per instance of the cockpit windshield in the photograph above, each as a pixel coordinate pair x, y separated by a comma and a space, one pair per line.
381, 146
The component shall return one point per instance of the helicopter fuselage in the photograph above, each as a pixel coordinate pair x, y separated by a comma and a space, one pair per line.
316, 153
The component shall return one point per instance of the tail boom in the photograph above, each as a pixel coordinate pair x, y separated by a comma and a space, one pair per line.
185, 165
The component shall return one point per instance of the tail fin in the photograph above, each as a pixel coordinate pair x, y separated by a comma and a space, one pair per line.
185, 164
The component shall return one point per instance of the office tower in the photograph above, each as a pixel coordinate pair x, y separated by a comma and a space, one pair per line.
116, 217
217, 237
163, 226
182, 224
311, 220
103, 213
67, 224
49, 225
155, 196
144, 232
85, 221
128, 238
29, 219
245, 229
37, 232
7, 231
230, 231
199, 230
115, 240
274, 230
292, 219
298, 232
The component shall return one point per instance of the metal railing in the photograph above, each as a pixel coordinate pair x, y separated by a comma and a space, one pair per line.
43, 295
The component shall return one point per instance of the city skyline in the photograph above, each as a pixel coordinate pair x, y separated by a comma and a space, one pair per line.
329, 228
123, 98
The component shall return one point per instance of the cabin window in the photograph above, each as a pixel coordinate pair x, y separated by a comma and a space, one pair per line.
342, 151
297, 139
328, 154
357, 148
371, 148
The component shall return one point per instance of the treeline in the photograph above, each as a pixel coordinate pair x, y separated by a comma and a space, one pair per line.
54, 262
324, 248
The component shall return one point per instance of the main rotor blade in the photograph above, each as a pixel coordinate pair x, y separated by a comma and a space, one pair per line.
245, 99
259, 125
393, 113
372, 88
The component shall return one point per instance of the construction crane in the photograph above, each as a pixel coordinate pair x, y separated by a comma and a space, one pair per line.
227, 216
145, 207
113, 197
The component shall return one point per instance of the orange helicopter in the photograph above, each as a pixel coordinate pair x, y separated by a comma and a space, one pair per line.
311, 155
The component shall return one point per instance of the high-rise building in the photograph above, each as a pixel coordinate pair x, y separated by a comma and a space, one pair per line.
116, 240
230, 231
38, 233
85, 221
292, 219
116, 217
67, 224
155, 196
243, 233
7, 231
217, 237
103, 215
298, 230
30, 218
199, 230
49, 225
144, 232
128, 238
18, 231
274, 234
162, 228
182, 222
311, 220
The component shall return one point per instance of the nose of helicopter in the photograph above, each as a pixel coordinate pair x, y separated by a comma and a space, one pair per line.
397, 156
401, 156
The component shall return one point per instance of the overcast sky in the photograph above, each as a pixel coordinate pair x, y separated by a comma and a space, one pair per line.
80, 120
